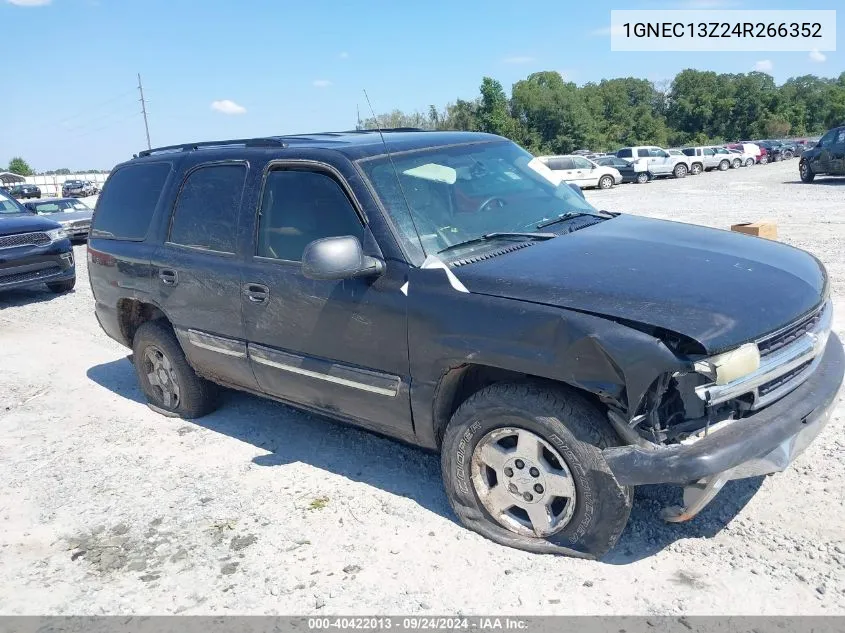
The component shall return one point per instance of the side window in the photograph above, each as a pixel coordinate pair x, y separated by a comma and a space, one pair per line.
206, 211
581, 163
624, 153
709, 152
642, 153
128, 200
827, 139
555, 164
658, 153
689, 151
299, 207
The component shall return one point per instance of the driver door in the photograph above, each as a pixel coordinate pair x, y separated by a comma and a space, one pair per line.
659, 160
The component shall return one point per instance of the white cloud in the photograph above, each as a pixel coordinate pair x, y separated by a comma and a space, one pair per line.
764, 66
225, 106
321, 83
518, 59
817, 56
344, 55
29, 3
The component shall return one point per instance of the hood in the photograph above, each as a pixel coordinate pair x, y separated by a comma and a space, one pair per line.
25, 223
71, 216
720, 288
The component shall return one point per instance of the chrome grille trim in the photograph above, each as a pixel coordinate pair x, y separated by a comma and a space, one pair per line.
37, 238
806, 350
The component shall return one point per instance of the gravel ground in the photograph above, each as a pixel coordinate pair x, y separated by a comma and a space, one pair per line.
110, 508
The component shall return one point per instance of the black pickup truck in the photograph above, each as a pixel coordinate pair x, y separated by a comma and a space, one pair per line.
443, 288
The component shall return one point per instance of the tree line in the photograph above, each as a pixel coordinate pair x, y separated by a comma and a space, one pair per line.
548, 115
22, 168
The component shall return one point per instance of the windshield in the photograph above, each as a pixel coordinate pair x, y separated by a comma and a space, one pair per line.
10, 205
58, 206
463, 192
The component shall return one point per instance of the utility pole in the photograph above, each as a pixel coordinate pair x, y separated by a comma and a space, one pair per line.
358, 113
144, 111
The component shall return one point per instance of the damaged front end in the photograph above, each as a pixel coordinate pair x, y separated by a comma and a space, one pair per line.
746, 412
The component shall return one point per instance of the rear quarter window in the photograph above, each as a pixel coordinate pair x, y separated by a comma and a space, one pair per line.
624, 153
128, 201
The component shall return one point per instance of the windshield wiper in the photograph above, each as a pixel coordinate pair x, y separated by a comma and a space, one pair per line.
498, 235
563, 217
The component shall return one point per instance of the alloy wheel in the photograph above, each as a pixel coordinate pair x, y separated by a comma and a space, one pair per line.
523, 482
161, 376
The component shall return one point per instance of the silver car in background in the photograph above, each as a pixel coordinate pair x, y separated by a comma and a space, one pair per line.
74, 215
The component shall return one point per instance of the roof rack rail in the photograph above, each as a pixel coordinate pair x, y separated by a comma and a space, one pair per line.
394, 129
189, 147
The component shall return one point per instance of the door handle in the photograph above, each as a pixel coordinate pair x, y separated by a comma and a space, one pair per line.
168, 277
256, 293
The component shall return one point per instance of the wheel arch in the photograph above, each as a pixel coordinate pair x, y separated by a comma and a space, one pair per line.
132, 313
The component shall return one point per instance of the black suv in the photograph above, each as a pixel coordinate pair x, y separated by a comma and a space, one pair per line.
444, 288
826, 158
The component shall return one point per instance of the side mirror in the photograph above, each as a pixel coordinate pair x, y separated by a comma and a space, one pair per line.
576, 188
333, 258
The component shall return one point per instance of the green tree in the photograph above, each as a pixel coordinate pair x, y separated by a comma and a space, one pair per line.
20, 167
494, 110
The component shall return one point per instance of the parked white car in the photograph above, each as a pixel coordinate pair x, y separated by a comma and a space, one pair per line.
658, 160
702, 159
582, 171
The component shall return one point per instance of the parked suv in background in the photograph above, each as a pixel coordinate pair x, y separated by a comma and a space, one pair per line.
447, 289
582, 171
658, 160
22, 192
702, 159
826, 158
33, 250
77, 189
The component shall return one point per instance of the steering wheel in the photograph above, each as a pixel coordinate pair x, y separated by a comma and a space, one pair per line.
490, 201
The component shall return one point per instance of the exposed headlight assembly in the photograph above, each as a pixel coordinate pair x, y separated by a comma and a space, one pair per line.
727, 367
57, 234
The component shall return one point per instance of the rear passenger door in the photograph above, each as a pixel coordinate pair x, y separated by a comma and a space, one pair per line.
339, 347
197, 272
564, 167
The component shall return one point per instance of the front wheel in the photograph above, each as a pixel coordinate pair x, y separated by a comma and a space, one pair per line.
62, 286
737, 163
696, 168
724, 165
680, 171
522, 466
170, 384
605, 182
805, 172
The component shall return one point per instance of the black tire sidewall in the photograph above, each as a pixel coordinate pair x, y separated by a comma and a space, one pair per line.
196, 395
602, 505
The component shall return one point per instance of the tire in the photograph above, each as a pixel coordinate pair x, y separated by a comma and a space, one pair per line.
749, 162
696, 168
642, 177
680, 171
805, 172
554, 419
788, 155
724, 165
764, 160
192, 396
605, 182
737, 163
62, 286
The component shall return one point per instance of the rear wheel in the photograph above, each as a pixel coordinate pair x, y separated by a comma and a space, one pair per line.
62, 286
737, 163
167, 380
805, 172
605, 182
522, 466
696, 168
724, 164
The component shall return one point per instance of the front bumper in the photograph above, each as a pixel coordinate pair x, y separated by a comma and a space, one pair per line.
32, 266
762, 443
